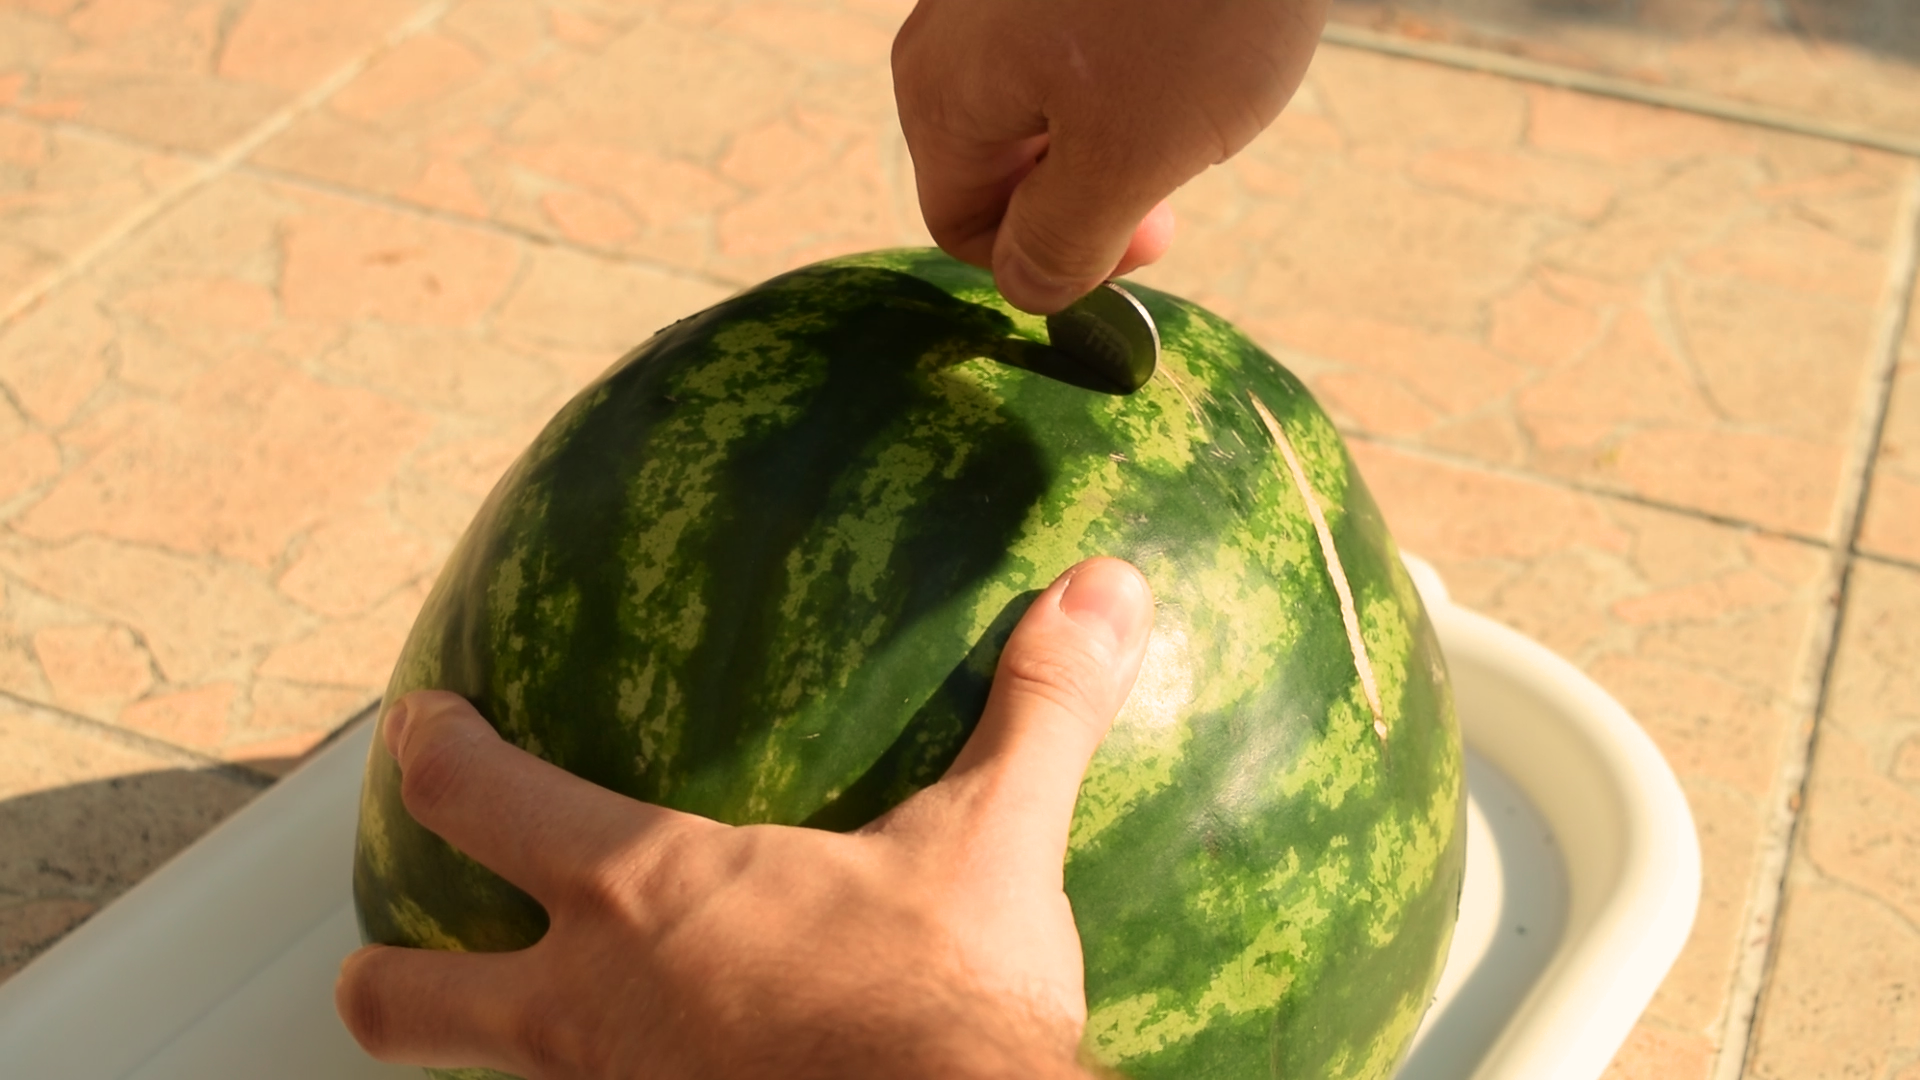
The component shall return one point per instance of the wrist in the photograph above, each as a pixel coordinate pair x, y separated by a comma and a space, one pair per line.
939, 1031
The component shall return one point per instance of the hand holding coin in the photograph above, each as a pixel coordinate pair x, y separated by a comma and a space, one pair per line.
1109, 333
1046, 137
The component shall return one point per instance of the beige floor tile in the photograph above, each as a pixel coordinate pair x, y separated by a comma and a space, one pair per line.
276, 756
574, 122
1695, 627
85, 815
1653, 1053
187, 74
1841, 1000
234, 450
1850, 62
1638, 300
62, 190
249, 436
1862, 826
1891, 525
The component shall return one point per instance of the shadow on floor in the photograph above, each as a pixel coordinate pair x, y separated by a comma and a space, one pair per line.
70, 850
1890, 28
66, 852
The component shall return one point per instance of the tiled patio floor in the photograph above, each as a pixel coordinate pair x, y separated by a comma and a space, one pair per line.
1844, 63
283, 286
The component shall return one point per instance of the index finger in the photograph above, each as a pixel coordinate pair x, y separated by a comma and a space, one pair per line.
964, 188
532, 822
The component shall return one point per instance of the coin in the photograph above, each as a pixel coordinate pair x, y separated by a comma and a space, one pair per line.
1109, 333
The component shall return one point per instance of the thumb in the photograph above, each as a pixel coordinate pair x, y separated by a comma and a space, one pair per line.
1076, 219
1066, 670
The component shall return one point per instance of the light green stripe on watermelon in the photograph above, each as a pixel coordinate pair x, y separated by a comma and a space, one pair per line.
1389, 645
1334, 769
730, 400
1248, 982
374, 844
1402, 853
1323, 457
1379, 1056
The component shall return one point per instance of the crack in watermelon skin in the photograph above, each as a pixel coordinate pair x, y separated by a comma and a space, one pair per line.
775, 552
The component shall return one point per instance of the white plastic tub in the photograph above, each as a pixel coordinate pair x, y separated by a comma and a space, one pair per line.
1583, 868
1583, 874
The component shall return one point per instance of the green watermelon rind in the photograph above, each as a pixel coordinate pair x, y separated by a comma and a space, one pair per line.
890, 463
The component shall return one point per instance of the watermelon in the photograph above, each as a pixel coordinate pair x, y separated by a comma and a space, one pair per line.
761, 570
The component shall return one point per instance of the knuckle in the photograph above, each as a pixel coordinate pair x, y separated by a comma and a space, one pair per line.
1060, 675
683, 872
433, 775
606, 889
547, 1039
951, 232
902, 59
649, 886
1060, 253
361, 1005
908, 35
596, 1057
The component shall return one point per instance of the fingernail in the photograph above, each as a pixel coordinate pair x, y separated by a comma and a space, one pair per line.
1107, 597
393, 726
1030, 290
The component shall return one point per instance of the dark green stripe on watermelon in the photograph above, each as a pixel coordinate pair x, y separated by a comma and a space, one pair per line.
762, 570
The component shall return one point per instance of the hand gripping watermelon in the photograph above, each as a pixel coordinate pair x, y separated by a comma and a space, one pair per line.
762, 569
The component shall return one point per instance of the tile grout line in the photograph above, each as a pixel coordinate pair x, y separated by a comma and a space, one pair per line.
134, 740
1757, 945
1490, 62
364, 714
490, 226
1525, 476
1886, 560
220, 164
363, 196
